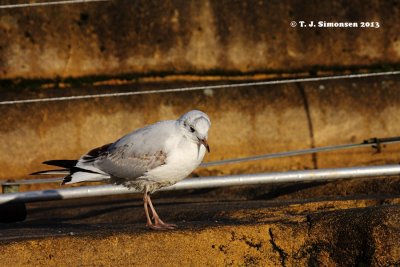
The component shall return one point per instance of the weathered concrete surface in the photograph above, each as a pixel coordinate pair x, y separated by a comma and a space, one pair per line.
245, 121
362, 229
141, 37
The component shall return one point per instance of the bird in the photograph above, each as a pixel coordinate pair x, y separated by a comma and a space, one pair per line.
147, 159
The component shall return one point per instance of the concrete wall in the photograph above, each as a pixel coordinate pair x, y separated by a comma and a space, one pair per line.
245, 121
140, 37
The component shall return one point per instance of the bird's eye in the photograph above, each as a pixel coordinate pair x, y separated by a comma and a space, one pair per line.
192, 129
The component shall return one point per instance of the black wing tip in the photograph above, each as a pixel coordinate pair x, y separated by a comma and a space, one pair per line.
37, 173
66, 179
64, 163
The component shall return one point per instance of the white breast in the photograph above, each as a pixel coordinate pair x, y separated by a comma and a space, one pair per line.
181, 161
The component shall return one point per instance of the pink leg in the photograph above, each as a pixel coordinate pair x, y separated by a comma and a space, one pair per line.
157, 221
146, 210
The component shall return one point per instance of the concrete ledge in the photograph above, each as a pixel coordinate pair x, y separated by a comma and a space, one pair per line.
342, 223
341, 232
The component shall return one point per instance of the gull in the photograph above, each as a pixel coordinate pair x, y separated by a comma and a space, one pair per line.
152, 157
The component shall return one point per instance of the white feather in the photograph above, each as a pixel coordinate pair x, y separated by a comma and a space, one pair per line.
87, 176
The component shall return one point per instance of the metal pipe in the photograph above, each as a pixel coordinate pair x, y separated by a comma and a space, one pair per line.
209, 182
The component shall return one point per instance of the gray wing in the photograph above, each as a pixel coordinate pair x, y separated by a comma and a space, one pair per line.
124, 162
134, 154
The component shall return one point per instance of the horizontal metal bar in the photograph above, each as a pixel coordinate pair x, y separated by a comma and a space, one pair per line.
209, 182
33, 181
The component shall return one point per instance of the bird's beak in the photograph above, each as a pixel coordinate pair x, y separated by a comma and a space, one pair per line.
205, 143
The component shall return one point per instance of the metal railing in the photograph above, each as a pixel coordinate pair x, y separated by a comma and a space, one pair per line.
208, 182
10, 186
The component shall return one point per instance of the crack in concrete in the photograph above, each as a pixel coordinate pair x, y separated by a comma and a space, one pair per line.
309, 122
282, 254
309, 223
68, 61
69, 56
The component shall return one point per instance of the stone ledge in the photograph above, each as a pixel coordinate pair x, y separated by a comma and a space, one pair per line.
335, 232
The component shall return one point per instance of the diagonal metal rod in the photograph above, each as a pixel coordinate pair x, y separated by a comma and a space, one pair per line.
372, 142
208, 182
197, 88
51, 3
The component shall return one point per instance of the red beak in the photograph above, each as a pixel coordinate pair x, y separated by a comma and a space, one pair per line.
205, 143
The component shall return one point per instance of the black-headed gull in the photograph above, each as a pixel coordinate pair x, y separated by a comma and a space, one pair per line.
158, 155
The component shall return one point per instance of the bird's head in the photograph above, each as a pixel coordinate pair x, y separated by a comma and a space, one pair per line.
196, 125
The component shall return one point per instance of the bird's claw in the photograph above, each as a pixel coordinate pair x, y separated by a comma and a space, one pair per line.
161, 227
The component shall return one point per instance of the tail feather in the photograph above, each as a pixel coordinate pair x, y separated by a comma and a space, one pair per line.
74, 174
61, 171
82, 176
